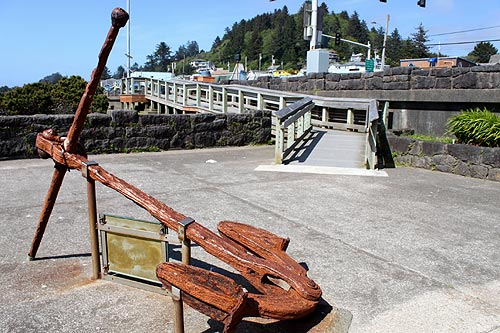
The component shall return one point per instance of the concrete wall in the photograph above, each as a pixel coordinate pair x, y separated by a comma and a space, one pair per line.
464, 160
127, 131
419, 99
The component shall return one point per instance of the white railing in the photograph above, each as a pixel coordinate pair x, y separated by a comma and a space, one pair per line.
183, 96
208, 97
292, 124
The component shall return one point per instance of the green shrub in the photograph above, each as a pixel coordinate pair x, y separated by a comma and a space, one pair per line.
61, 97
476, 127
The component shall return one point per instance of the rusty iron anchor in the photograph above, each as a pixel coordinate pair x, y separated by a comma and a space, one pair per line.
284, 291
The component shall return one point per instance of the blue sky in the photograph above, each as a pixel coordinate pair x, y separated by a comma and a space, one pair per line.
39, 38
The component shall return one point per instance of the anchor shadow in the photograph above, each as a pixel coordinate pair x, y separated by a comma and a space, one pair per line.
302, 325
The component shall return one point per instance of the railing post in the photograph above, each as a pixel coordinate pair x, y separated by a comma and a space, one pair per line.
224, 100
290, 135
350, 117
324, 115
300, 126
198, 95
167, 91
282, 102
260, 101
280, 142
175, 93
210, 98
184, 94
307, 121
241, 101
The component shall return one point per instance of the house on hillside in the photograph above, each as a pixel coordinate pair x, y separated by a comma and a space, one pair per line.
201, 65
437, 62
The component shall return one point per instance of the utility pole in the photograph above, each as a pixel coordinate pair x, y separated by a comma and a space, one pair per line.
314, 25
385, 40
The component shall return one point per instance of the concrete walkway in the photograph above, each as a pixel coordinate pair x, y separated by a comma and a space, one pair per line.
417, 251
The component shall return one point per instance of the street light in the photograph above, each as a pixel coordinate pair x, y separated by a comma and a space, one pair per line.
384, 46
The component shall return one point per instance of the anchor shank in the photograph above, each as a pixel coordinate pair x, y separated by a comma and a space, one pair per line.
119, 19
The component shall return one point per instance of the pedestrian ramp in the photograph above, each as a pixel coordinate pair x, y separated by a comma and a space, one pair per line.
328, 152
344, 141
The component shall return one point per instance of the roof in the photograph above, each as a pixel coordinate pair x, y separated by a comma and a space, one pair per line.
440, 58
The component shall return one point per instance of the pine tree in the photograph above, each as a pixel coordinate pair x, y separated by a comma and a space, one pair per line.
482, 52
160, 59
420, 39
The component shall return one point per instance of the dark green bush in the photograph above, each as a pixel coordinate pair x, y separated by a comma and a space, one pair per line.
44, 97
476, 127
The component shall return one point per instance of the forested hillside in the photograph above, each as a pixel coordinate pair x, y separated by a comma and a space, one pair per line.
279, 35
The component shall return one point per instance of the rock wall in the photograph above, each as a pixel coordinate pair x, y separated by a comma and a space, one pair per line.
420, 99
464, 160
395, 78
126, 131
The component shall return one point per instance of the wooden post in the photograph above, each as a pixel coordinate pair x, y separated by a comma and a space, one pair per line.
241, 100
224, 100
210, 98
198, 95
280, 143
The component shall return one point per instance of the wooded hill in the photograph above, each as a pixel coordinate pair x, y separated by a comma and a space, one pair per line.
281, 35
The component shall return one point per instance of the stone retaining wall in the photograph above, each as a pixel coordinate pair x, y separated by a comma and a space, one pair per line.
421, 99
464, 160
125, 131
396, 78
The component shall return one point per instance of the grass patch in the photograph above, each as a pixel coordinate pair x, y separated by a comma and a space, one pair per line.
421, 137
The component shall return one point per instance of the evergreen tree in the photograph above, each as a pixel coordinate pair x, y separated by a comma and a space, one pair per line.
4, 89
160, 59
358, 31
52, 78
120, 73
482, 52
217, 42
135, 67
420, 39
254, 45
181, 53
376, 37
393, 51
192, 48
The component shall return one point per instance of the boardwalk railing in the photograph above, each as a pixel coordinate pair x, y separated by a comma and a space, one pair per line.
292, 124
181, 96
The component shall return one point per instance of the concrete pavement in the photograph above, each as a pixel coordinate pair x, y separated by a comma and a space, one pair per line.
416, 251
